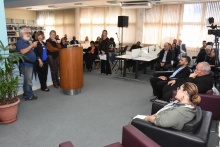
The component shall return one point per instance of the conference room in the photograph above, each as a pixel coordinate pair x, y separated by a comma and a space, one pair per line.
110, 73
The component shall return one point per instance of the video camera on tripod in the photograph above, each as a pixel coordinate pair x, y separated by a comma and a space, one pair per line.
214, 28
216, 32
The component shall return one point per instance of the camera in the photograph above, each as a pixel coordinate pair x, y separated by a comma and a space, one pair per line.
214, 32
214, 28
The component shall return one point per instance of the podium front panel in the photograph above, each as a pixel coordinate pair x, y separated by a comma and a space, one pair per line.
71, 68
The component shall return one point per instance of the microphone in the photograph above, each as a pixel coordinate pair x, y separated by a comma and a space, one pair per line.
116, 33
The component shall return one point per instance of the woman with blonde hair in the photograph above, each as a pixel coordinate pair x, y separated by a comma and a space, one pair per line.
179, 112
53, 53
104, 50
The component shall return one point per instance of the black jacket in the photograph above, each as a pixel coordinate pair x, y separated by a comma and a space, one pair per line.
168, 58
201, 56
74, 42
204, 83
96, 52
104, 46
39, 50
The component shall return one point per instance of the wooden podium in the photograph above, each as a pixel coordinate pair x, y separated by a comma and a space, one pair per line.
71, 70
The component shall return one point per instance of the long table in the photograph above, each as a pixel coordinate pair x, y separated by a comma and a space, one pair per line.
137, 60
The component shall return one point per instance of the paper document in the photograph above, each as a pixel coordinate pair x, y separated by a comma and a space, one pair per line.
103, 57
135, 53
140, 116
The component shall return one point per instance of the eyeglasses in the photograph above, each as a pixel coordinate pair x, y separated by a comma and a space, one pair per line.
27, 32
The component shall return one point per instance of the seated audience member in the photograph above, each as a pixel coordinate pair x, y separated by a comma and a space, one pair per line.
74, 41
203, 54
97, 61
86, 39
65, 37
91, 55
112, 46
57, 37
164, 59
98, 38
135, 46
203, 45
211, 60
63, 43
182, 48
131, 63
182, 71
174, 41
181, 111
175, 54
201, 77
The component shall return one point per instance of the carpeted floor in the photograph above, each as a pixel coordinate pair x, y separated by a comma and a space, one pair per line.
93, 118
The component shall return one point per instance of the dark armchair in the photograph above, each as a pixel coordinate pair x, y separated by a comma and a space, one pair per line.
66, 144
195, 132
132, 137
162, 73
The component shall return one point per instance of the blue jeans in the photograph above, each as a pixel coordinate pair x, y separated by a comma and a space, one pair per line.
112, 56
27, 85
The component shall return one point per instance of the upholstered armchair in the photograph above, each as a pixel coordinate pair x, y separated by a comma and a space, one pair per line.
132, 137
209, 102
194, 134
66, 144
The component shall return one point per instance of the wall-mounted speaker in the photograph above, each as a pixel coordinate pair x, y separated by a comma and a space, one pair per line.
122, 21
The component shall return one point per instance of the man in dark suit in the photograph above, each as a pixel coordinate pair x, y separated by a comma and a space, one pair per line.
181, 71
164, 59
135, 46
201, 77
74, 41
203, 54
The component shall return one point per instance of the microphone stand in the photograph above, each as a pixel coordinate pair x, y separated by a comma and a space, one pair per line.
120, 53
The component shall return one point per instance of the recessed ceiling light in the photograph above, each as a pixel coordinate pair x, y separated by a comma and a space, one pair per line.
112, 2
80, 4
53, 6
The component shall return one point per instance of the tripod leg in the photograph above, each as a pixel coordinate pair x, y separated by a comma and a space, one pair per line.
115, 64
136, 70
124, 68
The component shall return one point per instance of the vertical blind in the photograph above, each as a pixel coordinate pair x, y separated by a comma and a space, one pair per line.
162, 23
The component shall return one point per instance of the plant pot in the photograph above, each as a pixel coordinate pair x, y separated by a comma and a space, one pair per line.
8, 113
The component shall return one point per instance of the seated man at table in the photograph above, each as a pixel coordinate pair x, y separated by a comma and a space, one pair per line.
135, 46
74, 41
182, 71
131, 63
201, 77
164, 59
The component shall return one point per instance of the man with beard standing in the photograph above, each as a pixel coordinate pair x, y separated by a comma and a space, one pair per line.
26, 48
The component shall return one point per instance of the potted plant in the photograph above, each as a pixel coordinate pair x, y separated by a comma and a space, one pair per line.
8, 85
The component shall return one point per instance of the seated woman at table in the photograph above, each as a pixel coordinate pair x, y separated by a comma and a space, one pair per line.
91, 55
179, 112
63, 43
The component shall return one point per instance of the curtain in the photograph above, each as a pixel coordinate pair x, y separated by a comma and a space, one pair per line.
161, 24
46, 19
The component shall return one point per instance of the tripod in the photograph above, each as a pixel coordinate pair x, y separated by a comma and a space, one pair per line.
216, 59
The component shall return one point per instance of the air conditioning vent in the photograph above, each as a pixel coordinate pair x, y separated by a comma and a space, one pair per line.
136, 4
